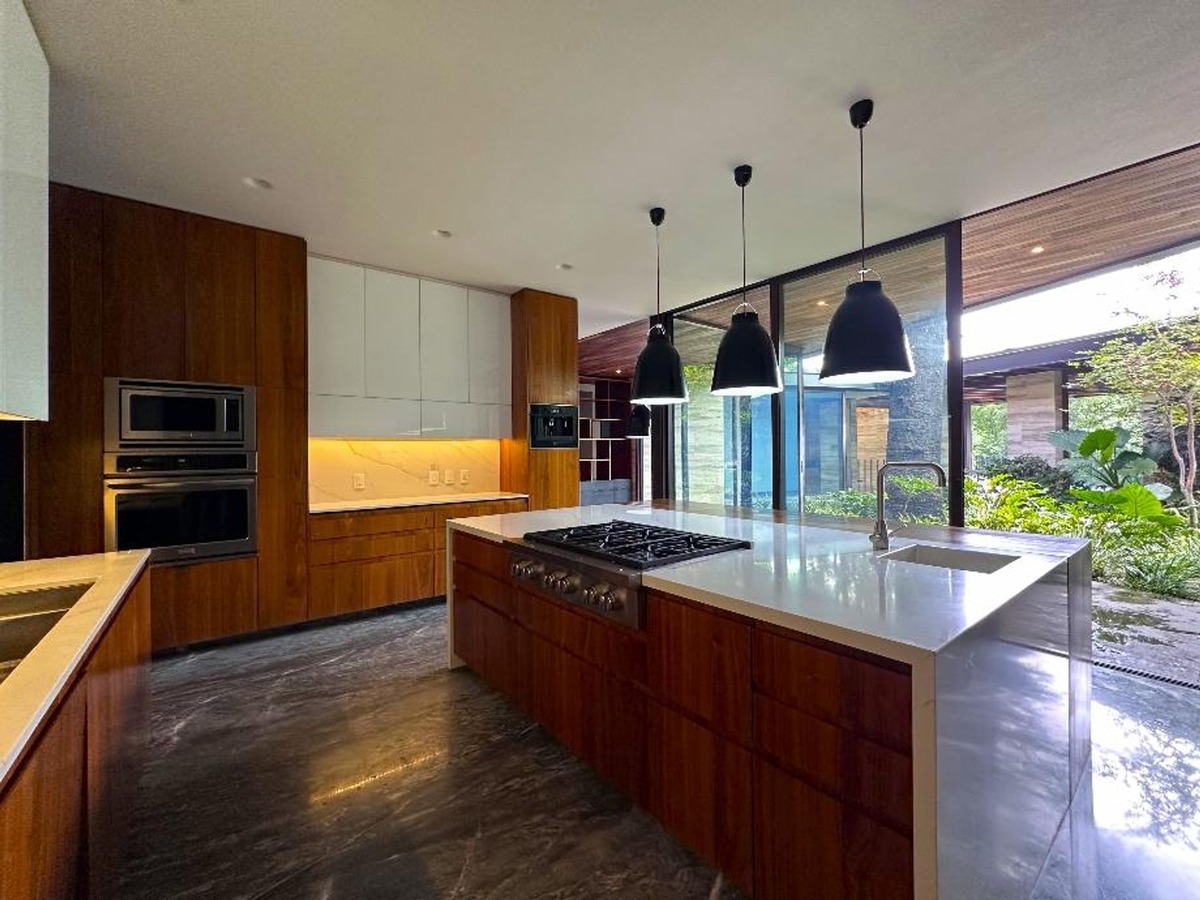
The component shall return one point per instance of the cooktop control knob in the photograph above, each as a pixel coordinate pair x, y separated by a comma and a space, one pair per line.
551, 579
594, 594
613, 601
517, 569
568, 584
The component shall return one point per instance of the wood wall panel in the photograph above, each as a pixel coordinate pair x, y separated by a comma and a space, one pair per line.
64, 465
204, 601
143, 290
76, 241
116, 683
219, 337
42, 811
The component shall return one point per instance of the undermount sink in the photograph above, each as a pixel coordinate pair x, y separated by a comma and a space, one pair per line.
27, 616
950, 558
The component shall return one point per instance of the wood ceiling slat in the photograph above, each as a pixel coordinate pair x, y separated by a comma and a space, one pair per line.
1104, 221
618, 348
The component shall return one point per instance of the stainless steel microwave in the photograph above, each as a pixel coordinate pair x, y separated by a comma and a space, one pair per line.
144, 414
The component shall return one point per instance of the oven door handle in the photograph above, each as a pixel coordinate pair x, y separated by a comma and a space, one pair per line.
198, 484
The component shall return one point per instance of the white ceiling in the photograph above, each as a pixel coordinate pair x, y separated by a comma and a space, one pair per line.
540, 131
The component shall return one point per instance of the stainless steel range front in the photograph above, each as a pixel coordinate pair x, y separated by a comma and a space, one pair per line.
599, 567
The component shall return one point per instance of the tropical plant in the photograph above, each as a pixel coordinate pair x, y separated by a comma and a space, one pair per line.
1028, 467
1100, 459
1159, 360
989, 431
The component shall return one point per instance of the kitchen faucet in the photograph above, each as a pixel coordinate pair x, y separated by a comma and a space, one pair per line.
879, 537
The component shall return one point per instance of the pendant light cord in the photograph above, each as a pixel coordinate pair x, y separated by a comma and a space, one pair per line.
862, 212
743, 243
657, 278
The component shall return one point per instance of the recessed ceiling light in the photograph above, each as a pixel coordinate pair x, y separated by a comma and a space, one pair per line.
1036, 249
822, 303
259, 184
618, 371
442, 233
564, 267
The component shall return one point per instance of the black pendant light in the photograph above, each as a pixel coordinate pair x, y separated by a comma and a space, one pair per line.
746, 363
638, 426
658, 378
865, 343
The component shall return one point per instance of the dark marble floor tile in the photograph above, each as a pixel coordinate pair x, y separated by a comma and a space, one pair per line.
345, 761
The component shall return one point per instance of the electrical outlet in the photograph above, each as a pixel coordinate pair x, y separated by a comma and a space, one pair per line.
359, 480
433, 475
464, 476
448, 476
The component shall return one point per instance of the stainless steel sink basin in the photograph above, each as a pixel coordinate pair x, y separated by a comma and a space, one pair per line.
27, 616
951, 558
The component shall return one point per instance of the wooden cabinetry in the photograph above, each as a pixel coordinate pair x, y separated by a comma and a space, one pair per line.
218, 294
282, 368
363, 560
143, 290
64, 811
204, 601
781, 759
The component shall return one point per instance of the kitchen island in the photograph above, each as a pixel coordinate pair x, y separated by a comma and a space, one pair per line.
812, 717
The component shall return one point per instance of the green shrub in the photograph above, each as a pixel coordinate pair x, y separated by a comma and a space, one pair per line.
1172, 570
844, 504
1033, 469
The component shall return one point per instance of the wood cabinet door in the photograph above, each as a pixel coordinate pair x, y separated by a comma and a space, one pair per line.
444, 343
335, 328
798, 833
116, 704
489, 333
281, 310
219, 264
143, 290
392, 342
203, 601
700, 660
334, 590
42, 811
282, 507
76, 239
700, 790
397, 579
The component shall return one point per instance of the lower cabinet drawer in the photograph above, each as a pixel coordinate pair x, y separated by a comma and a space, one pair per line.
397, 580
203, 601
334, 590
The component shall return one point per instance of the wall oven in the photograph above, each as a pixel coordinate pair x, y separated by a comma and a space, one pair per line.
172, 414
180, 469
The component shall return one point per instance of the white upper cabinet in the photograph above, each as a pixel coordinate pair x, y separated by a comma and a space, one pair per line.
489, 337
24, 218
392, 349
336, 309
444, 345
390, 355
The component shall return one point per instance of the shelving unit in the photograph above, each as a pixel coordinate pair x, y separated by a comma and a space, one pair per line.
605, 456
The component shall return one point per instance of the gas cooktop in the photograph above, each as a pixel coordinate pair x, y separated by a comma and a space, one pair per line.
635, 546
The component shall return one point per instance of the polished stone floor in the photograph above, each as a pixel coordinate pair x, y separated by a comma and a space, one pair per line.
345, 762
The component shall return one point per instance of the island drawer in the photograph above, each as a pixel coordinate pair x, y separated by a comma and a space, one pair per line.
874, 778
612, 648
867, 695
487, 590
487, 557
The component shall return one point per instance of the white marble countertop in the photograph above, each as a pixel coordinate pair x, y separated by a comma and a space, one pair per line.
336, 506
823, 581
34, 686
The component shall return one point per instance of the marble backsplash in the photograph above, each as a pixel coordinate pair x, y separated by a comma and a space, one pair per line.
399, 468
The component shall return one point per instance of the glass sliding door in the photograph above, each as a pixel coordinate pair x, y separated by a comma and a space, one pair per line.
837, 438
722, 444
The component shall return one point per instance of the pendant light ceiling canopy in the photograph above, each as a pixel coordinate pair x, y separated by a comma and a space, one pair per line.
638, 426
865, 343
746, 363
658, 378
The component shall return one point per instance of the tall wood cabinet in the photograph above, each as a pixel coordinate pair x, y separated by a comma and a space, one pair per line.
141, 291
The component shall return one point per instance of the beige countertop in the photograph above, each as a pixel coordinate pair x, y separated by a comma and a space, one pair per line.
32, 689
338, 506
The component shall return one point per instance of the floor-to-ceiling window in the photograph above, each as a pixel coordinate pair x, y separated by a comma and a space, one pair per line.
837, 438
723, 450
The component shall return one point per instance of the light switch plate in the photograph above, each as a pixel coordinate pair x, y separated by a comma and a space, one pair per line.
464, 476
359, 480
448, 476
433, 475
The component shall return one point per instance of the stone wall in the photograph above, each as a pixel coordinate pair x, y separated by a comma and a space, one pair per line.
1036, 406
